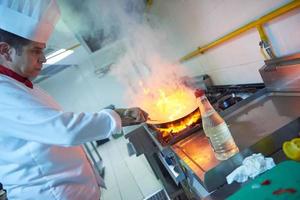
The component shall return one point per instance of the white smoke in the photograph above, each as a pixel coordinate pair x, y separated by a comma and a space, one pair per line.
145, 65
146, 62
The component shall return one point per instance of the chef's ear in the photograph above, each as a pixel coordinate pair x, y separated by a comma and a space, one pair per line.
5, 51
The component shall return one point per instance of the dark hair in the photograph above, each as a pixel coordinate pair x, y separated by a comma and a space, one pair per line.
14, 40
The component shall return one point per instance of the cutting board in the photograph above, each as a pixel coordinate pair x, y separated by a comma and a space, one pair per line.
285, 175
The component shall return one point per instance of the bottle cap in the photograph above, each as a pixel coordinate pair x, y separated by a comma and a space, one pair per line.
199, 93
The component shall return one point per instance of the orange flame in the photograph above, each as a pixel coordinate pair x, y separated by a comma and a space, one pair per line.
183, 124
167, 103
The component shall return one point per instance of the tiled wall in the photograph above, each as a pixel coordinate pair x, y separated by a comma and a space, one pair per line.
80, 89
194, 23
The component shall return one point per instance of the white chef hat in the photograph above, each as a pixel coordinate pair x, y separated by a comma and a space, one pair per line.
31, 19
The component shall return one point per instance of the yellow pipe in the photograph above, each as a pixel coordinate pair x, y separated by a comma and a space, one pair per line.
280, 11
263, 54
73, 47
262, 33
264, 38
149, 4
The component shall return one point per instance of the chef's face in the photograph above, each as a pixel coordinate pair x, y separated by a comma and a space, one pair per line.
29, 59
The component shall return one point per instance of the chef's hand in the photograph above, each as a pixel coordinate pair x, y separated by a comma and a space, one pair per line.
132, 116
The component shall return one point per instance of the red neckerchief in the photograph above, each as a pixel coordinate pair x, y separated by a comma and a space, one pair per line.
14, 75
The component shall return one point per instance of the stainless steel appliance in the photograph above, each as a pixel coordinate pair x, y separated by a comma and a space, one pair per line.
259, 123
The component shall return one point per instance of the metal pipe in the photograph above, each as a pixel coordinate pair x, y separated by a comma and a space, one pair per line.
148, 4
262, 33
263, 38
265, 43
262, 20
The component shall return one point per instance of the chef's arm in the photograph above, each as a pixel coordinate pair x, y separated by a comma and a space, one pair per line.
50, 126
31, 119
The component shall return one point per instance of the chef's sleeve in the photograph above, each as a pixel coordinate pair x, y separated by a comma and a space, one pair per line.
29, 118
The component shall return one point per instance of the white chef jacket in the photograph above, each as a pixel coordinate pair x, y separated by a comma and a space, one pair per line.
39, 153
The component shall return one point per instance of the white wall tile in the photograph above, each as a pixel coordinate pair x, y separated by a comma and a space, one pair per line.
79, 89
69, 90
246, 73
284, 33
192, 23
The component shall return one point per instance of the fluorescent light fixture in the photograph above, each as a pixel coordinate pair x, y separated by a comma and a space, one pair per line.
57, 56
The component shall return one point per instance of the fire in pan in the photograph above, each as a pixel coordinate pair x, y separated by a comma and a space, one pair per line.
170, 132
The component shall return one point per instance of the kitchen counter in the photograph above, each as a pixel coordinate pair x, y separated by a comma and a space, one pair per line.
228, 190
255, 120
259, 125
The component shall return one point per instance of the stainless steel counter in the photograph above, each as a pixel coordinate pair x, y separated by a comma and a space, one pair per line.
267, 113
259, 124
253, 125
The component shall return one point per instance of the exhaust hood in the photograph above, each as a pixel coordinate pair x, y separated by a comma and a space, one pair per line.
97, 23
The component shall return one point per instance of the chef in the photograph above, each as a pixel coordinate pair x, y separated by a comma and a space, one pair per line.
40, 152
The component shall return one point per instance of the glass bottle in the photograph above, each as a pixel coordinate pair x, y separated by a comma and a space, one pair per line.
216, 129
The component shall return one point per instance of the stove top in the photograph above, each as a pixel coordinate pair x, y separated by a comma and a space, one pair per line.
224, 96
220, 96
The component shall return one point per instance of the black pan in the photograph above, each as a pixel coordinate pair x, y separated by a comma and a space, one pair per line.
158, 124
